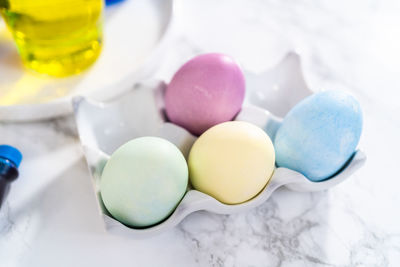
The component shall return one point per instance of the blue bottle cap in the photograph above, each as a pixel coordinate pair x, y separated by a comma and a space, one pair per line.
111, 2
11, 153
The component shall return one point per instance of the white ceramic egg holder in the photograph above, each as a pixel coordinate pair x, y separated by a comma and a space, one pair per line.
103, 127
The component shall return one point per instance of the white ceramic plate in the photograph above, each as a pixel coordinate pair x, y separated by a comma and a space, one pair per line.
103, 127
135, 35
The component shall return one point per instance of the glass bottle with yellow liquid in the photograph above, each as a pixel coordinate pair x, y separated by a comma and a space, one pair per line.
55, 37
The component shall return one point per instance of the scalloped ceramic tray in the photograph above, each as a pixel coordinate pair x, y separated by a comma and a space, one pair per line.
136, 34
103, 127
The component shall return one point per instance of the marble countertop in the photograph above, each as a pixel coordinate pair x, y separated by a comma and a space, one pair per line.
50, 217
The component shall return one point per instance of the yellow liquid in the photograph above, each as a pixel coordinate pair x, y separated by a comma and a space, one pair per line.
55, 37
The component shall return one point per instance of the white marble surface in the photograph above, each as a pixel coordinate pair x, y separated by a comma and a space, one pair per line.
50, 217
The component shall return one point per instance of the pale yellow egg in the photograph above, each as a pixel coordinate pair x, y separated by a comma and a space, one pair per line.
232, 162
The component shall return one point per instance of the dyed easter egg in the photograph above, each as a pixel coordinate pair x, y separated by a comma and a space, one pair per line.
232, 162
143, 181
319, 135
207, 90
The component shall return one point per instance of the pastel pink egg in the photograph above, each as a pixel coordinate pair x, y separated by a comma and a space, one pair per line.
207, 90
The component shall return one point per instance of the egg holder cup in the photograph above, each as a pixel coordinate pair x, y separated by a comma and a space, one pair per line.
103, 127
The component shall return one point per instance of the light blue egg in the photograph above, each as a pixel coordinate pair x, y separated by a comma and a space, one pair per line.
144, 181
319, 135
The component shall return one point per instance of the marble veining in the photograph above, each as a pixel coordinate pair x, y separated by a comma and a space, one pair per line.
50, 218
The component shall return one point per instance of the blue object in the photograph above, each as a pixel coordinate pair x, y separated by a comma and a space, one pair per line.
319, 135
11, 153
111, 2
10, 158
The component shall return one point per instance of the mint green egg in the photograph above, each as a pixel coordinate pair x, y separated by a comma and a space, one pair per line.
144, 181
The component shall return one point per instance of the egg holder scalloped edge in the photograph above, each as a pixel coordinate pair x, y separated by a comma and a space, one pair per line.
103, 127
